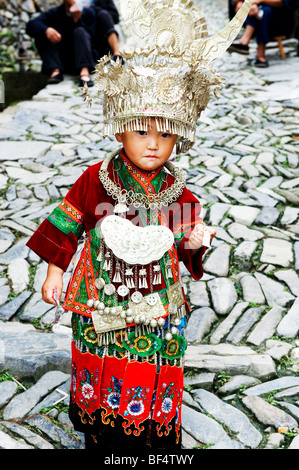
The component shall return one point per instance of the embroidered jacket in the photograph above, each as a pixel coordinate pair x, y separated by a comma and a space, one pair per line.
82, 210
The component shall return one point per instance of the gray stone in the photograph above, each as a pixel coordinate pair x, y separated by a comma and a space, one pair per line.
41, 193
243, 254
198, 294
295, 443
188, 442
8, 310
273, 182
204, 380
54, 432
29, 353
35, 310
234, 419
248, 319
277, 349
200, 324
225, 326
28, 177
268, 414
289, 325
14, 150
290, 277
276, 251
268, 216
7, 390
290, 215
260, 366
40, 276
265, 157
4, 293
237, 382
244, 214
275, 441
240, 231
217, 212
218, 261
54, 397
272, 385
224, 295
221, 234
29, 436
202, 428
18, 250
23, 403
273, 291
292, 392
18, 274
251, 290
262, 198
7, 442
266, 326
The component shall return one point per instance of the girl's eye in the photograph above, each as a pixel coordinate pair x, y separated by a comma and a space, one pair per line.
165, 135
141, 132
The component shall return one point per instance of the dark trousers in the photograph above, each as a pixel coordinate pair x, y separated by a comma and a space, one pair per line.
275, 22
105, 26
70, 55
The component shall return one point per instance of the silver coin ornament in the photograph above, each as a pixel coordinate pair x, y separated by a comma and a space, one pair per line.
123, 290
109, 289
99, 283
151, 300
136, 297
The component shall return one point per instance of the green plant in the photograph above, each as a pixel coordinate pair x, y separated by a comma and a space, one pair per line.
221, 379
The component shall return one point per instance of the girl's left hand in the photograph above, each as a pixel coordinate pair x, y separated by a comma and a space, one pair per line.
197, 236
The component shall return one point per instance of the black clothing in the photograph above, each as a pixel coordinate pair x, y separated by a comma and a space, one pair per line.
77, 46
107, 16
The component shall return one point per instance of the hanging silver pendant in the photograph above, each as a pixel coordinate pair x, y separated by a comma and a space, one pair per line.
142, 279
117, 276
136, 297
123, 290
109, 289
121, 206
99, 283
151, 299
157, 277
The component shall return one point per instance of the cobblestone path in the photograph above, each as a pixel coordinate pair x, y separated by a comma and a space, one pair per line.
242, 363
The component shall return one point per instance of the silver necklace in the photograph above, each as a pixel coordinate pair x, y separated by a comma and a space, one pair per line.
151, 201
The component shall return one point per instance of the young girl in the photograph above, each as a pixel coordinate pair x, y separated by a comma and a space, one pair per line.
139, 221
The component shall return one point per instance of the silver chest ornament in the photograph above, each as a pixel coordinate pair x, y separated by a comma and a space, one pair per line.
132, 245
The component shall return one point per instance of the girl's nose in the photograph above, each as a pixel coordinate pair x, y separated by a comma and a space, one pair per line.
153, 142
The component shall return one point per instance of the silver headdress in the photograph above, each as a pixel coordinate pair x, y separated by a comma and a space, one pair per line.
170, 77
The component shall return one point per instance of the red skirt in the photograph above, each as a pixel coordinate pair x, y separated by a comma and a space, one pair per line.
124, 400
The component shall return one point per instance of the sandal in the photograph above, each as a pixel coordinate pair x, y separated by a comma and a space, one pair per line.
261, 63
239, 48
85, 79
55, 79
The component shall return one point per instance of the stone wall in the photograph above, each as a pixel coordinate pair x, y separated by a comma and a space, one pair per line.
14, 14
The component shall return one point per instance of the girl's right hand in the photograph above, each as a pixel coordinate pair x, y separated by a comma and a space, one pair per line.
54, 281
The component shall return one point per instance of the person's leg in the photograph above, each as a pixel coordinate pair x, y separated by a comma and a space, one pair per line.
262, 36
242, 45
107, 40
51, 60
83, 58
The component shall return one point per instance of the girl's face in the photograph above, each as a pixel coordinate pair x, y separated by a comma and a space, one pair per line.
148, 150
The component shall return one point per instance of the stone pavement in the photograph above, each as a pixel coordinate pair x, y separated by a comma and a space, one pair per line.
242, 363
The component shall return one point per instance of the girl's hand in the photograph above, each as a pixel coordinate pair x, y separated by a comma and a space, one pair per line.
54, 281
197, 236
